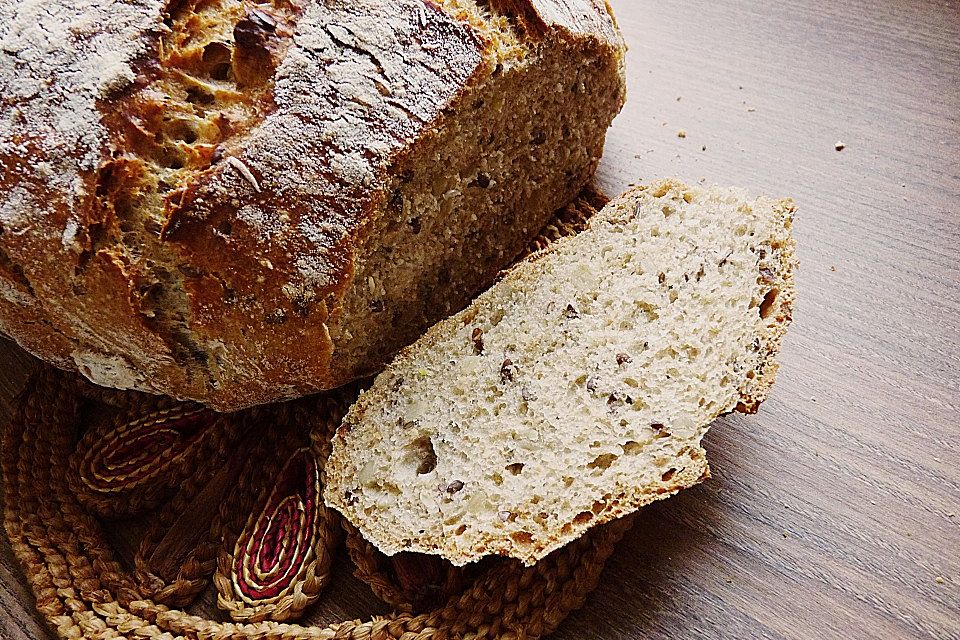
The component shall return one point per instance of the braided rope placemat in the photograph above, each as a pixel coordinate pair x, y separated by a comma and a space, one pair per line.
239, 501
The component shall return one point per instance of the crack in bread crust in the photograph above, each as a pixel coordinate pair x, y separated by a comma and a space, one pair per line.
210, 86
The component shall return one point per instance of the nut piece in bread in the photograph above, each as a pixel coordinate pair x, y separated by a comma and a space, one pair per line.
236, 202
603, 360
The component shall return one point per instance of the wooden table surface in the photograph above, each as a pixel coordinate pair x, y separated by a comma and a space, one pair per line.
834, 512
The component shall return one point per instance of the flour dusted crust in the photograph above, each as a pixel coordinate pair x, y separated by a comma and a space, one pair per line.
578, 388
192, 193
57, 61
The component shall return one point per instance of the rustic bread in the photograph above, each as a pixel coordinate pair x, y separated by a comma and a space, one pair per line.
236, 202
577, 388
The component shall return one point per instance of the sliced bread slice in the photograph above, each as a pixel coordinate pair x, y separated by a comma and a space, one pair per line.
577, 388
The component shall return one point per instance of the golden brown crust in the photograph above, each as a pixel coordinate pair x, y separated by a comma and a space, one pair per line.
53, 76
312, 170
205, 256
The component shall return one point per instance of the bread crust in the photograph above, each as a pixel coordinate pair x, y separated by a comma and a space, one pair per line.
230, 299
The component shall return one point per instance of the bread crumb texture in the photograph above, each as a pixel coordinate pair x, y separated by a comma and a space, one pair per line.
228, 201
577, 388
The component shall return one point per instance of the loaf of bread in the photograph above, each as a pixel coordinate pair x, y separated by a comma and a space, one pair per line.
236, 202
577, 388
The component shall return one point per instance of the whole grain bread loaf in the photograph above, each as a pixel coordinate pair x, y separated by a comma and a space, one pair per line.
578, 388
236, 202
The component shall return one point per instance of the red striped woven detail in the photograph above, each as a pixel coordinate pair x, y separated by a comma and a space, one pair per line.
278, 540
138, 451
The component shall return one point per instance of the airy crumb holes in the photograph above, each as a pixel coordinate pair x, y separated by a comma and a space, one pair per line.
632, 447
515, 468
603, 461
768, 302
583, 517
421, 453
522, 537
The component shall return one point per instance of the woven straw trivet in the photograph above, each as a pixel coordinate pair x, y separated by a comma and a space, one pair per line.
235, 498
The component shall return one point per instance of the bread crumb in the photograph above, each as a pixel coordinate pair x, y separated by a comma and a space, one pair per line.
786, 534
682, 133
833, 267
951, 514
839, 146
750, 109
939, 580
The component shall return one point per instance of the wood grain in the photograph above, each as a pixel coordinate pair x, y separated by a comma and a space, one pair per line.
831, 512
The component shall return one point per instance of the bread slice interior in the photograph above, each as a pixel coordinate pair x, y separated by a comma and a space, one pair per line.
578, 388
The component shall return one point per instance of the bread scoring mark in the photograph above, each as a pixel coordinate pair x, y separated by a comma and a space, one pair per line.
208, 85
360, 83
211, 85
